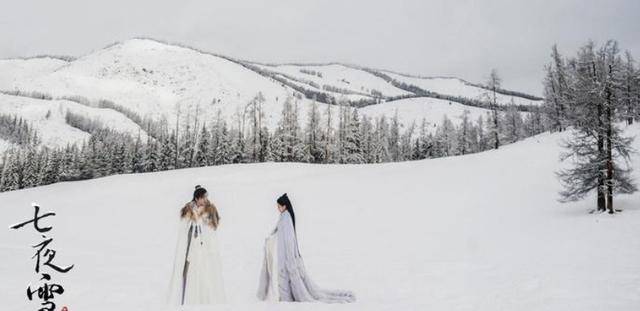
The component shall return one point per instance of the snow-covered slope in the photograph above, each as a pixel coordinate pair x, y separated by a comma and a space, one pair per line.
475, 232
160, 80
431, 110
16, 71
337, 78
458, 87
47, 117
155, 78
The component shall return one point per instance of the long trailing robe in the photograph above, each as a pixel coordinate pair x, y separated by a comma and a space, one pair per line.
284, 277
197, 276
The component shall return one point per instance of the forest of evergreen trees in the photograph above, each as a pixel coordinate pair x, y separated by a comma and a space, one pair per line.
312, 138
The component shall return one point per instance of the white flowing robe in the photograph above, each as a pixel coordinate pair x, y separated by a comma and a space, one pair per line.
284, 277
197, 249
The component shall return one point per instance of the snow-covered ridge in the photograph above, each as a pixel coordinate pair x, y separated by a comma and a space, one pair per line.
47, 117
163, 80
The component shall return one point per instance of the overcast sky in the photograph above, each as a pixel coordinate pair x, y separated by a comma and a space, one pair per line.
453, 38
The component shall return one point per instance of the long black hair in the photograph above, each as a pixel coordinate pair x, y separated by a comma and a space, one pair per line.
284, 201
199, 192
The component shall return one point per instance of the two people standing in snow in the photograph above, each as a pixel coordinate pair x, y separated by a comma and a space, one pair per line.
197, 272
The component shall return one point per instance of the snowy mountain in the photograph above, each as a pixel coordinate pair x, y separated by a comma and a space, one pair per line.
47, 117
169, 82
475, 232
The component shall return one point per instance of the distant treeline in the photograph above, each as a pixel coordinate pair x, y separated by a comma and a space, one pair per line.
354, 139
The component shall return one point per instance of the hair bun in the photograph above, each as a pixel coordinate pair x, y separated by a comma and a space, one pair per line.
198, 187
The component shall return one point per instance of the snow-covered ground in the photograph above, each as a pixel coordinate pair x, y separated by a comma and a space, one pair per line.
47, 117
458, 87
338, 76
475, 232
14, 71
430, 109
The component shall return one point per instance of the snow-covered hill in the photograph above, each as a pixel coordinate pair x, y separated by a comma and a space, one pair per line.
47, 117
164, 81
457, 87
160, 80
15, 71
430, 109
475, 232
337, 79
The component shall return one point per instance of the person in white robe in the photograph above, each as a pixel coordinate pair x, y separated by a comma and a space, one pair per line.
283, 276
197, 271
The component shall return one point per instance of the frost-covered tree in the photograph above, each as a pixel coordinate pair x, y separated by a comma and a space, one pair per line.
630, 89
352, 142
314, 146
557, 100
597, 145
464, 134
186, 150
168, 152
512, 125
152, 156
493, 85
256, 128
202, 151
406, 143
394, 138
288, 145
328, 139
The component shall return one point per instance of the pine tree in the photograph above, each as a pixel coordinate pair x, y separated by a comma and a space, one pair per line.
256, 117
630, 92
557, 100
118, 161
423, 142
152, 156
394, 139
224, 149
138, 156
202, 154
512, 125
464, 134
186, 149
328, 139
367, 136
493, 84
288, 145
30, 172
168, 152
52, 170
383, 153
406, 146
597, 142
314, 148
352, 149
483, 143
12, 172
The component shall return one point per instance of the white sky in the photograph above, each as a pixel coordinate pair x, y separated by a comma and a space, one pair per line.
461, 38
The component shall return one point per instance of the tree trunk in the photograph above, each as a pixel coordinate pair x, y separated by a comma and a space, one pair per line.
601, 179
609, 154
